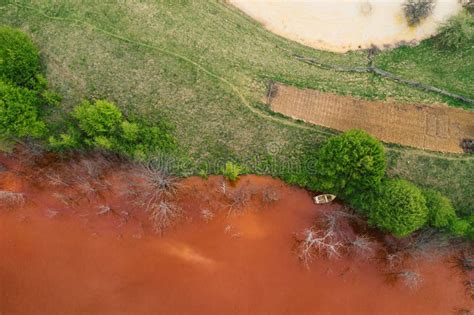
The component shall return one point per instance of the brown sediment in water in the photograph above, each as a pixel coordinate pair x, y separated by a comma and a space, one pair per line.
60, 256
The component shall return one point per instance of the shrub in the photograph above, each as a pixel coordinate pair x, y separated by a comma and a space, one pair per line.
457, 32
417, 10
349, 164
141, 142
231, 171
399, 208
66, 141
101, 125
440, 210
19, 58
98, 119
460, 227
20, 112
469, 6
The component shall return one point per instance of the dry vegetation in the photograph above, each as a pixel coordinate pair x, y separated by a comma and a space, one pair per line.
332, 236
411, 279
156, 192
11, 200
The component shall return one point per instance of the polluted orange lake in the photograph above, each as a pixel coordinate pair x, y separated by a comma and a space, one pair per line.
68, 248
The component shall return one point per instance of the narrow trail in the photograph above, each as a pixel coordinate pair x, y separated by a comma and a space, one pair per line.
284, 121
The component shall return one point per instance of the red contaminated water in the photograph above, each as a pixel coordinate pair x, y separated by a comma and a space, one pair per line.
61, 254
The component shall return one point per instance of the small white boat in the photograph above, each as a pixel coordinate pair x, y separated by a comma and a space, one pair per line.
323, 199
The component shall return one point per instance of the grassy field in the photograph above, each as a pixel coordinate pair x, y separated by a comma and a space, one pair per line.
205, 66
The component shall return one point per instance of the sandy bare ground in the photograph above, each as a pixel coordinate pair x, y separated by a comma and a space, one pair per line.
436, 127
342, 25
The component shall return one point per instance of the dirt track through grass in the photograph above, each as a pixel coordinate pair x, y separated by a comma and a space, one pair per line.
234, 88
435, 127
209, 81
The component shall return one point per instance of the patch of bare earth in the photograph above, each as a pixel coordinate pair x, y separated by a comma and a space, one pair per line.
431, 127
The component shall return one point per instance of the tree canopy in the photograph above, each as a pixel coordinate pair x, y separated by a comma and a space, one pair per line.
350, 163
398, 208
19, 57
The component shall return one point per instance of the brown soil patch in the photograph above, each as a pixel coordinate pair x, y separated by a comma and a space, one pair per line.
61, 255
437, 127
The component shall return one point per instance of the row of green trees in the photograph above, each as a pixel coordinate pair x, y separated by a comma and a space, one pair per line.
25, 103
352, 166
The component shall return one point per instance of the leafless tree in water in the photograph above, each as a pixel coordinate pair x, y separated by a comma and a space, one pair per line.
363, 246
163, 215
465, 262
318, 242
469, 285
411, 279
66, 200
158, 186
239, 198
56, 180
207, 214
332, 235
393, 260
463, 311
270, 195
10, 199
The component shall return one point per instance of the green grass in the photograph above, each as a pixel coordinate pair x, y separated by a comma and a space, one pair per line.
452, 70
204, 66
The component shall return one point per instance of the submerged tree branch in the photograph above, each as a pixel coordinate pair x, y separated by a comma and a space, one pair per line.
383, 74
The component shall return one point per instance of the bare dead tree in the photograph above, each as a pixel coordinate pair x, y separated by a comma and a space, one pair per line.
10, 199
469, 285
67, 200
51, 213
160, 185
393, 260
94, 166
104, 209
417, 10
239, 198
163, 215
270, 195
207, 214
318, 242
363, 246
411, 279
56, 180
463, 311
465, 261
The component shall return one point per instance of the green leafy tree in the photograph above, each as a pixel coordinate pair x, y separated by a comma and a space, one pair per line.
19, 57
440, 210
20, 112
349, 164
399, 208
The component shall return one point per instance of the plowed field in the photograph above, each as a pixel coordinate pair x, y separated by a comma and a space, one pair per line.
434, 127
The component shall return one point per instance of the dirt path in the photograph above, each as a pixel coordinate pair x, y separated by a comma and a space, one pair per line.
63, 257
255, 110
342, 25
435, 127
